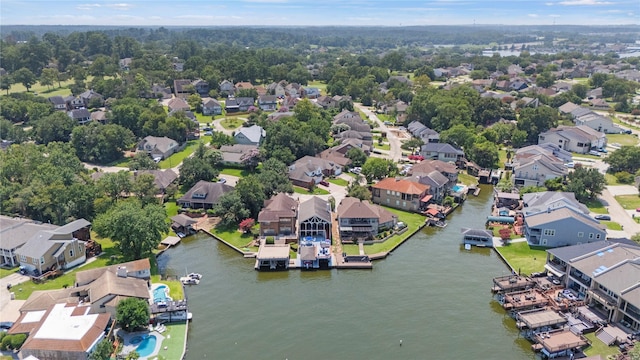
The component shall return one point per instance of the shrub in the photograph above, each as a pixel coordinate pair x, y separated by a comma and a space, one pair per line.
270, 240
624, 177
17, 340
6, 343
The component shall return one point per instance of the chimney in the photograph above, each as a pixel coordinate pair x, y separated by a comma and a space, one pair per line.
122, 271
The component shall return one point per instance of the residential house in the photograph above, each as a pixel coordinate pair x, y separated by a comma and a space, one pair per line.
204, 195
158, 147
60, 248
441, 151
594, 94
14, 233
539, 202
75, 102
236, 154
437, 185
182, 88
568, 107
308, 171
561, 227
160, 92
62, 331
243, 85
598, 123
178, 104
252, 135
534, 165
312, 92
525, 102
580, 139
227, 88
449, 170
273, 257
361, 220
277, 89
605, 274
125, 64
201, 87
400, 194
136, 269
82, 116
600, 104
314, 219
365, 137
58, 103
91, 97
275, 116
335, 156
422, 132
211, 107
278, 217
99, 116
241, 104
506, 200
267, 102
161, 178
327, 102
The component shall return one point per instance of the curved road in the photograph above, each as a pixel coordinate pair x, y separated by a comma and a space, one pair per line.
395, 153
218, 127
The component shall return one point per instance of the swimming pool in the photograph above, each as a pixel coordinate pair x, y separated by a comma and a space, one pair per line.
160, 294
457, 188
147, 346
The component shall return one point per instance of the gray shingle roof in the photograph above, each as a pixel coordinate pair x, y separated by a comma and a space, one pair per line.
314, 207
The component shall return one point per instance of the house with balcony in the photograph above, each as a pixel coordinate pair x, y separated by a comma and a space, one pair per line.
314, 227
562, 226
279, 216
449, 170
579, 139
437, 184
605, 274
361, 220
535, 167
401, 194
59, 249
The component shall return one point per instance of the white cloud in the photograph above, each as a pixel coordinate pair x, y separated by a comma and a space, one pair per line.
120, 6
532, 15
87, 6
585, 2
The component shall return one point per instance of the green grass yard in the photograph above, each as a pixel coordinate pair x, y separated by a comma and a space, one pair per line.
597, 347
521, 257
629, 202
622, 139
339, 181
175, 159
384, 146
203, 119
316, 191
233, 236
7, 272
611, 225
467, 179
234, 172
175, 286
596, 206
231, 123
610, 179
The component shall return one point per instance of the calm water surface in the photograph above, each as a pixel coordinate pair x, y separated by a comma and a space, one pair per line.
430, 293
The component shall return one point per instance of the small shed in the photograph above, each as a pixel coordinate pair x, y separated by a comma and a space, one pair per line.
183, 224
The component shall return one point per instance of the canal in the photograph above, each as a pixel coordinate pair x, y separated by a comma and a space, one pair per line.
430, 293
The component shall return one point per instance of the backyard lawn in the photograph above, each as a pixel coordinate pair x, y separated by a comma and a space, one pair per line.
175, 286
316, 191
322, 86
233, 236
234, 172
231, 123
611, 225
412, 220
629, 201
384, 146
467, 179
597, 347
622, 139
521, 257
203, 119
339, 181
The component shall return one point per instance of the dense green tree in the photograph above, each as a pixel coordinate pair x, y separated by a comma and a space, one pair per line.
274, 177
252, 193
145, 189
585, 183
358, 191
377, 168
99, 143
598, 79
537, 120
627, 158
115, 185
135, 229
218, 138
230, 209
10, 132
194, 169
357, 156
485, 154
132, 314
580, 90
102, 351
142, 161
25, 77
55, 127
460, 136
48, 77
545, 79
5, 83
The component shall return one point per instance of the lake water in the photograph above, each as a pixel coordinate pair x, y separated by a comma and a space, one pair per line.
430, 293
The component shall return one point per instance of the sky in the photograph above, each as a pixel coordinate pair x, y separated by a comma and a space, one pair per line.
319, 12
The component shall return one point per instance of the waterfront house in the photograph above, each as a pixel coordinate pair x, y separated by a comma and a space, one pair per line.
158, 147
138, 269
314, 219
535, 167
605, 274
61, 331
309, 170
579, 139
477, 237
278, 217
361, 220
561, 227
437, 184
449, 170
400, 194
538, 202
211, 107
183, 224
60, 248
441, 151
252, 135
204, 195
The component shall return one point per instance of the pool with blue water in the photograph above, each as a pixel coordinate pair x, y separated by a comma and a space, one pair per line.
147, 346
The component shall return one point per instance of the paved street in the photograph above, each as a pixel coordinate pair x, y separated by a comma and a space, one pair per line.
9, 308
618, 213
395, 152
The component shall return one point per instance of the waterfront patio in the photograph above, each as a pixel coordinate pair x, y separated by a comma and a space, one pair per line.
131, 341
521, 300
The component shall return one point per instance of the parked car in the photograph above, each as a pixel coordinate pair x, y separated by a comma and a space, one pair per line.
627, 131
356, 170
416, 157
222, 180
570, 165
324, 183
603, 217
594, 153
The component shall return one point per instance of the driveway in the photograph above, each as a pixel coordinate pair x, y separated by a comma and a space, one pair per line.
395, 153
218, 127
9, 308
619, 214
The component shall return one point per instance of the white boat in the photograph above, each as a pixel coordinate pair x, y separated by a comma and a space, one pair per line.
186, 280
195, 276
